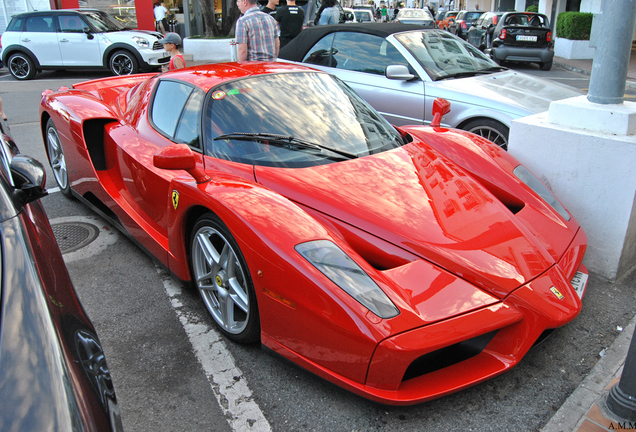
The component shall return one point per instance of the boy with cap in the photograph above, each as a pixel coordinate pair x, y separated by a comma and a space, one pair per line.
170, 42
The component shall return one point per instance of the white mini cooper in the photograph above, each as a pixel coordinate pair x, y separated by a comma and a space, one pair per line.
73, 39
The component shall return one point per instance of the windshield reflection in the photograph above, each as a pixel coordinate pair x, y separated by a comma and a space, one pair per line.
102, 22
314, 107
443, 55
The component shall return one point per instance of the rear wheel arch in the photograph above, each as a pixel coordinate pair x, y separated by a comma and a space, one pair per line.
487, 123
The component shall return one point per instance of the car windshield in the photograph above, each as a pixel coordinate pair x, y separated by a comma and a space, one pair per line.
292, 120
415, 13
443, 55
102, 22
362, 15
472, 16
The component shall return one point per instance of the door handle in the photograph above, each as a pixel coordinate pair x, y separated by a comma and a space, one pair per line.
26, 40
64, 40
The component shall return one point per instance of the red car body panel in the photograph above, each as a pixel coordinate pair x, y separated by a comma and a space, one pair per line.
462, 247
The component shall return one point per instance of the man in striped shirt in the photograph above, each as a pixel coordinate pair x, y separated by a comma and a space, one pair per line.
256, 33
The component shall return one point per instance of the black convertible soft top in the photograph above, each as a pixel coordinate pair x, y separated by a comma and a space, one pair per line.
298, 47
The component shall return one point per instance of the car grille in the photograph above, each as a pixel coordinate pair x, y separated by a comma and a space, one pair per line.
157, 46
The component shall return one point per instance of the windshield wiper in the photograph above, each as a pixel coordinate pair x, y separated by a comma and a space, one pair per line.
288, 142
473, 73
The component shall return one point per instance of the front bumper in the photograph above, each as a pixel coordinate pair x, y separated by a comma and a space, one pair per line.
520, 54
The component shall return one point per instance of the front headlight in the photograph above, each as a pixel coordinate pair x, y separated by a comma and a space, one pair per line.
539, 188
344, 272
142, 42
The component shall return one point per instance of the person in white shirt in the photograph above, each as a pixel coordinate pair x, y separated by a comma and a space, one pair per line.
160, 18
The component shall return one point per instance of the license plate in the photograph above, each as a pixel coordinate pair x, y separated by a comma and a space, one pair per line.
579, 281
526, 38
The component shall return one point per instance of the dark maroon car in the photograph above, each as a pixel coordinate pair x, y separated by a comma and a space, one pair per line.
53, 374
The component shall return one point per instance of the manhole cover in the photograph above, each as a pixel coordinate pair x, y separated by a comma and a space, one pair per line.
72, 236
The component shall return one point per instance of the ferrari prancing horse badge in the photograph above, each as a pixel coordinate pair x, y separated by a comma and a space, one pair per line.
175, 199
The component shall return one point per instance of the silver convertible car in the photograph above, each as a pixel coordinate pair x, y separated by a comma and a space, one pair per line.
400, 69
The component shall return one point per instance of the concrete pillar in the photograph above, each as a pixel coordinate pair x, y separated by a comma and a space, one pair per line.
609, 70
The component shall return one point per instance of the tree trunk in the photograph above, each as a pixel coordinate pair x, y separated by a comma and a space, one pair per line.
207, 9
230, 14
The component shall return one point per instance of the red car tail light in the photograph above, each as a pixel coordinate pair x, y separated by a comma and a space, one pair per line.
503, 34
463, 25
548, 36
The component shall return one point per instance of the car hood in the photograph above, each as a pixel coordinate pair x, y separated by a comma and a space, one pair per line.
127, 34
416, 199
516, 93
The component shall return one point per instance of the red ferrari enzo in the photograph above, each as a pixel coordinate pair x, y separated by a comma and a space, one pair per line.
402, 264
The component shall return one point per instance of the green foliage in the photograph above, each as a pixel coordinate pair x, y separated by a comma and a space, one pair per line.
532, 8
574, 25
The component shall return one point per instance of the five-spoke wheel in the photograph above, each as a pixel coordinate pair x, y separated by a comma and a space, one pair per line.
56, 158
123, 63
222, 278
21, 66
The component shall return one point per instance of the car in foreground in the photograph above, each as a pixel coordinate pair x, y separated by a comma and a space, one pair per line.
383, 259
463, 21
415, 16
401, 69
53, 373
523, 37
480, 35
70, 39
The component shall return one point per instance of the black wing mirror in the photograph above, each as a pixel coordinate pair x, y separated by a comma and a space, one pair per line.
29, 178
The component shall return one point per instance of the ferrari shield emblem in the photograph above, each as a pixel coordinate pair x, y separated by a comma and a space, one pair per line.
557, 293
175, 199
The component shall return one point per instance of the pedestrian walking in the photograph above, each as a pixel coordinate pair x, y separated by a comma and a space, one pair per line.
270, 6
291, 18
328, 13
384, 13
160, 11
256, 33
171, 43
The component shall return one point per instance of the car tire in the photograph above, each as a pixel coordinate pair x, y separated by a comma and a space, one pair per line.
123, 62
21, 66
55, 152
490, 129
546, 66
221, 276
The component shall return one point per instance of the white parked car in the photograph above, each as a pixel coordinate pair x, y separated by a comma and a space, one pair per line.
72, 39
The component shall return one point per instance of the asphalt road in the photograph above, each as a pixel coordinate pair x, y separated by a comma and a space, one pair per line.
173, 373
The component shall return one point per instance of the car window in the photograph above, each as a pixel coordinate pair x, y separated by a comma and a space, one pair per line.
40, 24
442, 54
189, 124
16, 24
102, 22
363, 52
314, 107
70, 23
472, 15
320, 54
167, 105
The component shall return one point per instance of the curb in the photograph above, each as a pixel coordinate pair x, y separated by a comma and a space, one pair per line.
628, 83
573, 411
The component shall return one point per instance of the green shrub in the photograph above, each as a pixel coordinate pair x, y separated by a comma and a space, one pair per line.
532, 8
574, 25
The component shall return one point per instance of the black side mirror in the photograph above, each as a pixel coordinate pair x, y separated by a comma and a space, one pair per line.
29, 178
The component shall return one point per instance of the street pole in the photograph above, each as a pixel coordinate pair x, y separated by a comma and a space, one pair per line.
621, 399
609, 69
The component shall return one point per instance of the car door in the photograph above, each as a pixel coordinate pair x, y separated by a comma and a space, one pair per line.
360, 60
40, 37
76, 47
145, 194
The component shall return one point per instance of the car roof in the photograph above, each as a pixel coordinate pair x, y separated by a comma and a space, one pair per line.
296, 49
210, 75
54, 12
